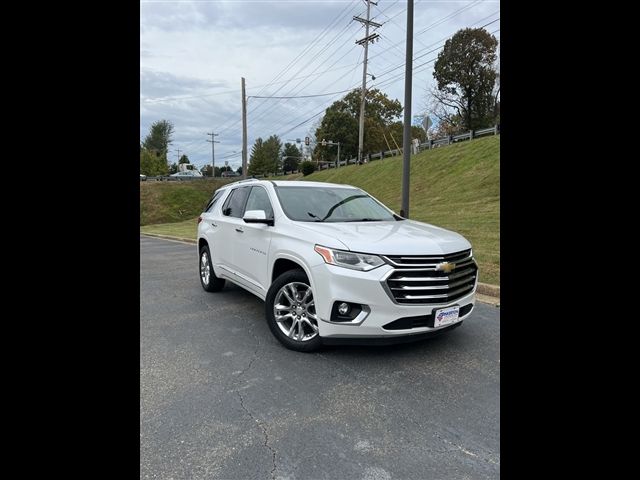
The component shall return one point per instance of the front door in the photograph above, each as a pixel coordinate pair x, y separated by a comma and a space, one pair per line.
252, 241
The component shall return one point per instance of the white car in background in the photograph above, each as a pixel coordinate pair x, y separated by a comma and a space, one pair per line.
188, 175
333, 264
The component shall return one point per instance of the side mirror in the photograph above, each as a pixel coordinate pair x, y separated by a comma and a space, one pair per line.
257, 216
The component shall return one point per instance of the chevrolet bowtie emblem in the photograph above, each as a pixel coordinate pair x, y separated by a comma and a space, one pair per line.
445, 267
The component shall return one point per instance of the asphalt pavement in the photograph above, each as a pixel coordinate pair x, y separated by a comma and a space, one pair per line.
220, 398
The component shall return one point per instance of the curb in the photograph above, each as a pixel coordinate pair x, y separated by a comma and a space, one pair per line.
487, 293
489, 290
169, 237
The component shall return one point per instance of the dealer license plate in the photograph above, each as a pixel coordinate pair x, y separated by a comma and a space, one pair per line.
446, 316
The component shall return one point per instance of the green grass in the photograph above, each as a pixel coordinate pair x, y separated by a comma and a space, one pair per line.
184, 229
455, 187
169, 202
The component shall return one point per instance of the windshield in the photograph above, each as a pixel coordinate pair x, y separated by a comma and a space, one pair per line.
331, 204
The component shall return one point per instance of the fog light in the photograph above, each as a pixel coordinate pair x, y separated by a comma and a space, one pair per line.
343, 308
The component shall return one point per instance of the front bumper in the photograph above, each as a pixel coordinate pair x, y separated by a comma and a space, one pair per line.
338, 284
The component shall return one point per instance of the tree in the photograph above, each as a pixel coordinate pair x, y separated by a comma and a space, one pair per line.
291, 157
307, 167
173, 168
159, 138
239, 170
184, 159
340, 124
465, 77
152, 164
265, 156
206, 170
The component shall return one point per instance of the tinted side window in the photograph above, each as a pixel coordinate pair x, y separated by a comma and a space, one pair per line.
213, 201
234, 206
259, 200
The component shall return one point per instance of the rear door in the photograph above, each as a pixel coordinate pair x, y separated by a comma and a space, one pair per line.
229, 223
210, 222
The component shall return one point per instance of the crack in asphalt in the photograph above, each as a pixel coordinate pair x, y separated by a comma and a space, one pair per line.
485, 457
258, 422
264, 432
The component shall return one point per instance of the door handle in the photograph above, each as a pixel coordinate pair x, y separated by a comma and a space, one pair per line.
214, 224
240, 230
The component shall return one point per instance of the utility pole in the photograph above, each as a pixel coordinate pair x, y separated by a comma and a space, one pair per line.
406, 138
365, 41
178, 150
244, 131
213, 155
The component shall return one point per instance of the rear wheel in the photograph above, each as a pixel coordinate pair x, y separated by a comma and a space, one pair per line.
291, 312
208, 278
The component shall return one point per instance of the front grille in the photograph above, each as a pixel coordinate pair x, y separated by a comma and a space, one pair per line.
415, 279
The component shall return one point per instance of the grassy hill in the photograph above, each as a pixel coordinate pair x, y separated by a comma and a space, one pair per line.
169, 202
455, 187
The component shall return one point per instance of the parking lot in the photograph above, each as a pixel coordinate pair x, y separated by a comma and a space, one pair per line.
221, 398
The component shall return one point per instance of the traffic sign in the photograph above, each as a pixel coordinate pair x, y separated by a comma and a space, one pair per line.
426, 122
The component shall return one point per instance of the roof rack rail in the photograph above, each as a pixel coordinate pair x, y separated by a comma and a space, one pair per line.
245, 180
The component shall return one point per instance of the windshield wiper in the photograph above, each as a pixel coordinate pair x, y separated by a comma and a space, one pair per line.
318, 219
346, 200
364, 220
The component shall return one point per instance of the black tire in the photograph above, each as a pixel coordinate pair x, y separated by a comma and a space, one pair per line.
214, 283
300, 345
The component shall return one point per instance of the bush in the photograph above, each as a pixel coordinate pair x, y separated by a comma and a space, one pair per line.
307, 167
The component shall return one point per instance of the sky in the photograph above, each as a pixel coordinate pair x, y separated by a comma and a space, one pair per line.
193, 54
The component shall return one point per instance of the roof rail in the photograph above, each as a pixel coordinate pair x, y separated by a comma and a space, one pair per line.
243, 181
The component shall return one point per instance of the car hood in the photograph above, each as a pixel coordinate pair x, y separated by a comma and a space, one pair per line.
405, 237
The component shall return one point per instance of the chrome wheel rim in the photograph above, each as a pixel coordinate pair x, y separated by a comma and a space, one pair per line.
205, 268
295, 312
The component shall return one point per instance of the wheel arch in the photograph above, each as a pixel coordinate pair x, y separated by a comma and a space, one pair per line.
285, 263
201, 243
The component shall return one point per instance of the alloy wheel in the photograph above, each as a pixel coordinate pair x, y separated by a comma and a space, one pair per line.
295, 312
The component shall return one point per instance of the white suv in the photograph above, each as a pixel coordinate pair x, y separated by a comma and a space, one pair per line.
333, 264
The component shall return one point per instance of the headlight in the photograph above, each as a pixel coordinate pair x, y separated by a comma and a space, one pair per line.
355, 261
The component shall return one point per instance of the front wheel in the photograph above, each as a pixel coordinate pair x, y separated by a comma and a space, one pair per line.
291, 312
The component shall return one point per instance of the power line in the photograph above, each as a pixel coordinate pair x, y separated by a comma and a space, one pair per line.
263, 114
398, 26
303, 96
433, 50
314, 58
310, 46
434, 24
318, 54
391, 80
282, 125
